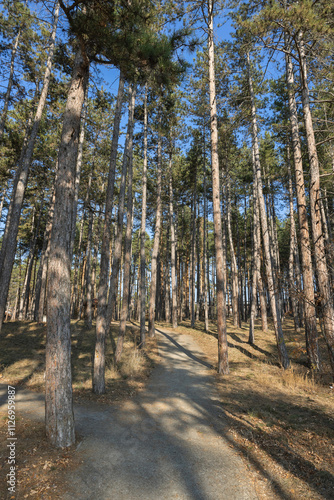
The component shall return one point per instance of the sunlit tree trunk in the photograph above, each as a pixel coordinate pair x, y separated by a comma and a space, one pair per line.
305, 244
121, 200
10, 83
293, 291
8, 248
323, 276
205, 275
234, 267
256, 263
173, 245
102, 299
143, 234
127, 264
274, 303
155, 250
99, 355
220, 260
58, 380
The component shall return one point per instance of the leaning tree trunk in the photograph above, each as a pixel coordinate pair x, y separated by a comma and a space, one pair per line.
220, 260
323, 276
143, 234
155, 251
9, 248
121, 200
304, 234
10, 84
58, 380
101, 317
99, 356
274, 303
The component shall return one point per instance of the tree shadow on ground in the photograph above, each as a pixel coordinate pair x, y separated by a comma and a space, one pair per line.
185, 351
161, 439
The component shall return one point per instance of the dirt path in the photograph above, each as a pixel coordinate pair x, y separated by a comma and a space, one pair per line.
169, 442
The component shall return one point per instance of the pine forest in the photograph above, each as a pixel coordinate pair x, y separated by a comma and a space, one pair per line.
166, 229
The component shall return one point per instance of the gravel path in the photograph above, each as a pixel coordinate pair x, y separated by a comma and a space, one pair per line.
168, 442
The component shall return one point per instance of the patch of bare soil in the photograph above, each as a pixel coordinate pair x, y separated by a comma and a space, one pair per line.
282, 422
22, 363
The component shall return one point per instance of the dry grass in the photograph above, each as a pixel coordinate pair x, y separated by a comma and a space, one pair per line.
281, 422
22, 363
22, 360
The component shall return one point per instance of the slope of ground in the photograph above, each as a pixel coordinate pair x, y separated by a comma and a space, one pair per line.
281, 423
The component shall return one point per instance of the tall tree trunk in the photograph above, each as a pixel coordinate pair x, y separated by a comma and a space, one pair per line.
26, 288
99, 356
9, 248
127, 263
293, 291
193, 252
43, 267
304, 234
234, 267
155, 250
75, 308
205, 253
274, 303
102, 300
220, 260
88, 279
79, 165
173, 244
143, 234
121, 201
58, 381
10, 84
256, 263
323, 276
3, 197
166, 280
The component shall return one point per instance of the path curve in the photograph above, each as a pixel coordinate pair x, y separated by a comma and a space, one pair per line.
169, 442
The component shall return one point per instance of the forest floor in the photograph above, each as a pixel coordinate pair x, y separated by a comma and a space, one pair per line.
281, 423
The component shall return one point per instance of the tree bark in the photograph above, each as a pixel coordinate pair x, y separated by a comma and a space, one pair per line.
143, 234
234, 267
101, 317
304, 234
223, 367
10, 84
127, 260
58, 381
173, 244
256, 263
156, 242
323, 276
121, 200
18, 193
293, 291
274, 303
43, 267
